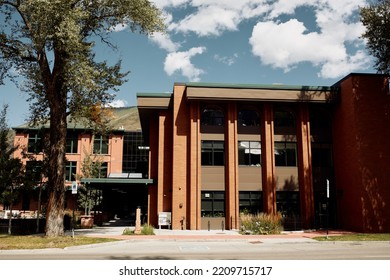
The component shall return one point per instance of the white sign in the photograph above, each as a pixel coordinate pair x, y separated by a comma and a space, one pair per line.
74, 187
327, 188
164, 219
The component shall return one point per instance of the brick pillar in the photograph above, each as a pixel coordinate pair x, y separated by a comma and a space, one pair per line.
153, 172
268, 160
194, 199
305, 167
231, 169
180, 159
164, 179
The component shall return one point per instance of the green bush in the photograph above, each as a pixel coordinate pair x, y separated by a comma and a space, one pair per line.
261, 224
145, 230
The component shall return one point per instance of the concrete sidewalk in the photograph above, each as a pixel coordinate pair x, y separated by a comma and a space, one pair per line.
205, 235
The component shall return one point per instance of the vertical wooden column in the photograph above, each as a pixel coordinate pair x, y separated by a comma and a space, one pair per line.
195, 170
268, 160
231, 169
305, 176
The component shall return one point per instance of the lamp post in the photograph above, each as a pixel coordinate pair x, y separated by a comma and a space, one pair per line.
327, 208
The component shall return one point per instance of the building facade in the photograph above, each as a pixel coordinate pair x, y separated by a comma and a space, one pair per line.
314, 154
120, 183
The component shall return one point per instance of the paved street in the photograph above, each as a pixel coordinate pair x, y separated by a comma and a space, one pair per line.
168, 245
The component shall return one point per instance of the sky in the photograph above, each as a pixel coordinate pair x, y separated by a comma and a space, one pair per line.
290, 42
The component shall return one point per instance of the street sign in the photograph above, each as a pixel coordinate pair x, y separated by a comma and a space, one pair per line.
74, 187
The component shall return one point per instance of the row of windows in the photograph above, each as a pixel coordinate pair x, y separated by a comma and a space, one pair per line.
213, 203
249, 154
36, 142
214, 116
34, 168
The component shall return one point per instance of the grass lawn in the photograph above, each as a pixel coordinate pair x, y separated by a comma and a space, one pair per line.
357, 237
41, 242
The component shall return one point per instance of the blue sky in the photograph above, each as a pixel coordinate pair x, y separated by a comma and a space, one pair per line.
292, 42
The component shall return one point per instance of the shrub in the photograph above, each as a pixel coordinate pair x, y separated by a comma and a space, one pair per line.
261, 224
146, 230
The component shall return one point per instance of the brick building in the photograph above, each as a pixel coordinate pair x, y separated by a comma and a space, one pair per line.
220, 149
122, 180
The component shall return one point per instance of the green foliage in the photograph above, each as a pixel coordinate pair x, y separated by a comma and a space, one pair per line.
145, 230
261, 224
376, 19
11, 169
49, 45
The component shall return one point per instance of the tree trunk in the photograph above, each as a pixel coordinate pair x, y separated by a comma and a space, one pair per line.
57, 163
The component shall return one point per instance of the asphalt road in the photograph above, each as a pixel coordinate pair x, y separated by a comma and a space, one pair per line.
211, 250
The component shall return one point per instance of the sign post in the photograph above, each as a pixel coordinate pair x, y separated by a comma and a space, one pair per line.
327, 208
74, 192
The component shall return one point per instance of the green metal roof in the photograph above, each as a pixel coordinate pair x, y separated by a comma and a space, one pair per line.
116, 181
124, 118
260, 86
154, 94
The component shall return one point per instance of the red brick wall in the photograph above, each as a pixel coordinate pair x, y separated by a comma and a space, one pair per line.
361, 137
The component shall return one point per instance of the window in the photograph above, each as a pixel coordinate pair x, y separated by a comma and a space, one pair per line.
213, 153
213, 204
284, 119
135, 154
248, 117
212, 116
35, 144
71, 143
70, 170
103, 168
100, 144
321, 154
285, 154
34, 171
251, 202
249, 153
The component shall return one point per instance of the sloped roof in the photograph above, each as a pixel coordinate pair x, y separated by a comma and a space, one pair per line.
124, 118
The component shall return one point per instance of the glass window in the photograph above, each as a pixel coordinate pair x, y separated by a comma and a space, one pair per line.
103, 170
212, 116
100, 144
248, 117
71, 143
321, 155
213, 204
249, 153
213, 153
35, 144
285, 154
251, 202
70, 170
284, 119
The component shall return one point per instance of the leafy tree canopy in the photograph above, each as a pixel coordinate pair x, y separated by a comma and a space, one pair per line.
50, 43
376, 19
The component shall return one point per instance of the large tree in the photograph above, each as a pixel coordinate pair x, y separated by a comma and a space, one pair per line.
50, 43
376, 19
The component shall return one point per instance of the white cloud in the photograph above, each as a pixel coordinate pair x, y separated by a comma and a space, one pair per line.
228, 60
119, 27
286, 44
213, 17
181, 62
164, 42
118, 103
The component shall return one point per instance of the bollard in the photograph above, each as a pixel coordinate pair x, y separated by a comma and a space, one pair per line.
208, 225
223, 225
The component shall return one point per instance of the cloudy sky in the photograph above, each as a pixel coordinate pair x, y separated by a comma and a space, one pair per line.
293, 42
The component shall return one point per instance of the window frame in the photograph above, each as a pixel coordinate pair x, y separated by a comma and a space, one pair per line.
212, 151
